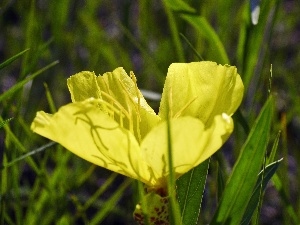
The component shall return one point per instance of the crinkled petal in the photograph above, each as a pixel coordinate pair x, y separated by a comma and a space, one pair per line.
83, 85
86, 131
192, 143
123, 88
202, 90
120, 91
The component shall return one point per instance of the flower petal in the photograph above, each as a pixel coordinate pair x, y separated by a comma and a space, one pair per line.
83, 85
124, 89
120, 90
202, 90
192, 143
86, 131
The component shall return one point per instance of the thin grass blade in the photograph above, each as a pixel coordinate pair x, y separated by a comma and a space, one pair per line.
10, 60
260, 184
20, 84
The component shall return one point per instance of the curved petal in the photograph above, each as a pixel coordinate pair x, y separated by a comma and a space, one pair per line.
83, 85
119, 91
192, 143
124, 90
86, 131
201, 89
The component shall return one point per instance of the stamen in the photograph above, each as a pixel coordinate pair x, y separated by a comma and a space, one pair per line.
184, 108
120, 110
136, 107
133, 77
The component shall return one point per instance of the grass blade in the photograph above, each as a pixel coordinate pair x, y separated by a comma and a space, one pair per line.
254, 201
190, 189
35, 151
204, 28
242, 181
10, 60
20, 84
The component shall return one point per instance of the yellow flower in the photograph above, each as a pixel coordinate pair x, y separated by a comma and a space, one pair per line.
111, 125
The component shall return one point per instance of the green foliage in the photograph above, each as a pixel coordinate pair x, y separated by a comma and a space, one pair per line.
242, 180
3, 122
190, 189
41, 183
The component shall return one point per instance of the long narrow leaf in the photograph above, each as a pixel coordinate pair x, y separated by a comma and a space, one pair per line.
190, 189
20, 84
10, 60
204, 28
33, 152
253, 203
242, 181
180, 6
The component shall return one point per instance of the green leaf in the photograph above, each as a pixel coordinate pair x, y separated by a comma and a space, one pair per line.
274, 148
3, 122
205, 29
242, 181
190, 189
10, 60
110, 203
33, 152
260, 184
179, 6
295, 218
254, 42
20, 84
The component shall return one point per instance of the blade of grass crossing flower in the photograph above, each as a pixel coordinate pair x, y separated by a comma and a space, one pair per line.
10, 60
241, 183
174, 211
262, 181
190, 187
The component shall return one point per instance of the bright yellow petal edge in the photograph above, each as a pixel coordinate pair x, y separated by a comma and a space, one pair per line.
192, 143
201, 89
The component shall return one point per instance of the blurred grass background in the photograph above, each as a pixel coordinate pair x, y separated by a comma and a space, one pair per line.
53, 186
